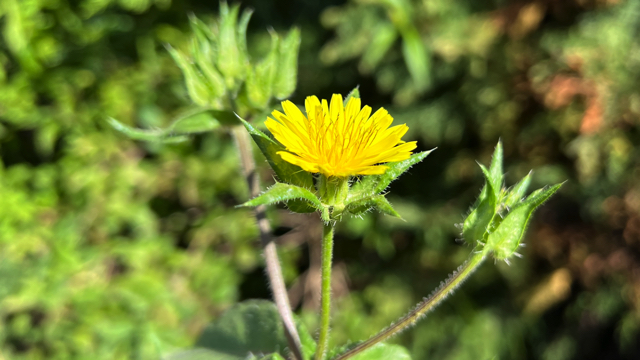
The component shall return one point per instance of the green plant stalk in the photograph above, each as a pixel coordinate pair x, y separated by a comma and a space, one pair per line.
424, 307
325, 306
273, 268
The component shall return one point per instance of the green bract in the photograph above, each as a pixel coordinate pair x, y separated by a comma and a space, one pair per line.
500, 216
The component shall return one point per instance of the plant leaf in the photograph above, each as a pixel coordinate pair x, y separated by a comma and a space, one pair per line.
281, 192
374, 184
201, 354
250, 327
416, 57
384, 36
381, 351
259, 85
287, 70
355, 93
505, 240
157, 135
378, 202
495, 170
477, 222
199, 93
228, 60
516, 193
198, 122
241, 36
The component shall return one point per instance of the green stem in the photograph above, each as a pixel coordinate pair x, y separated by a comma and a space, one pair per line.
325, 307
431, 302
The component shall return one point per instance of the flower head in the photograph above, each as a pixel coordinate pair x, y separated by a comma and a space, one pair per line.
338, 141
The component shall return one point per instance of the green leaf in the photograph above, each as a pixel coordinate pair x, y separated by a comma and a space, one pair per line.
158, 135
381, 351
417, 58
199, 92
204, 51
274, 356
198, 122
374, 184
281, 192
241, 37
287, 70
251, 327
378, 202
384, 36
477, 222
201, 354
260, 80
190, 123
355, 93
495, 170
306, 340
228, 60
286, 172
516, 193
505, 240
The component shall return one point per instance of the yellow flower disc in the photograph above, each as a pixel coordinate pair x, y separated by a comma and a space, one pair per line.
338, 141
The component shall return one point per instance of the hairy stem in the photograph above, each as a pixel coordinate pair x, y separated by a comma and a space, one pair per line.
325, 307
274, 271
424, 307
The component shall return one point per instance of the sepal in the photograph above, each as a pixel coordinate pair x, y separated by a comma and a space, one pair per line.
286, 193
477, 222
506, 239
377, 202
374, 184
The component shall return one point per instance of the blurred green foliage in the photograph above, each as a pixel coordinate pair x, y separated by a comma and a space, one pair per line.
117, 249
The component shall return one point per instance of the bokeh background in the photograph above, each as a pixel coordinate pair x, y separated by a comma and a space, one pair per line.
117, 249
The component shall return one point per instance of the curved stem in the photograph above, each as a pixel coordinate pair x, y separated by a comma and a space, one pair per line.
274, 271
430, 303
325, 307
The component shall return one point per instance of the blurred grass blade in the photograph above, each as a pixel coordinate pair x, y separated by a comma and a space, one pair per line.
416, 57
158, 135
384, 37
194, 123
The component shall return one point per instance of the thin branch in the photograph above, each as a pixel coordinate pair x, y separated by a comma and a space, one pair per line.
447, 288
274, 271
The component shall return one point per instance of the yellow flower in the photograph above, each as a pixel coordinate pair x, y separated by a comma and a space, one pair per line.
338, 141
